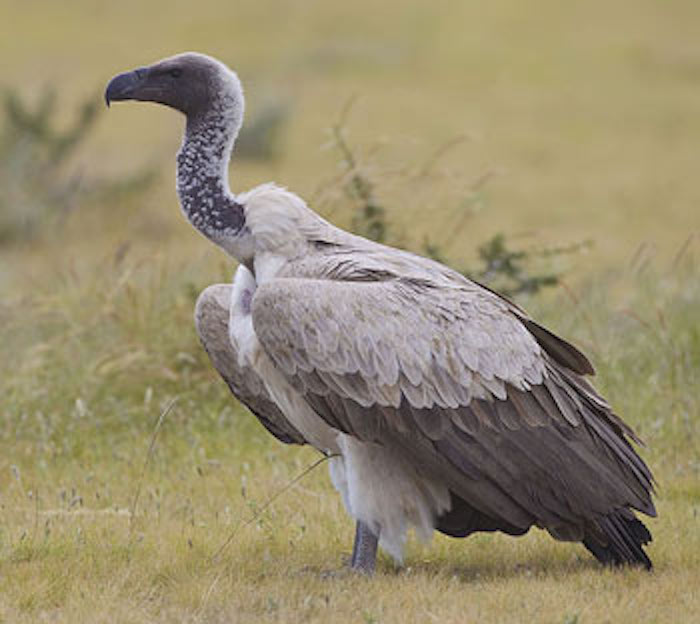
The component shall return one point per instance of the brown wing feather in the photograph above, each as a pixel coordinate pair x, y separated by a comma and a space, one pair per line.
211, 321
560, 350
518, 452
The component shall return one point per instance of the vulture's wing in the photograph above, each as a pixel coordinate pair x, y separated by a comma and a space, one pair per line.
563, 352
211, 320
457, 380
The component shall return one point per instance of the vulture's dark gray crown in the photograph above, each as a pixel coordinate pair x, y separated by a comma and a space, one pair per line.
190, 83
211, 97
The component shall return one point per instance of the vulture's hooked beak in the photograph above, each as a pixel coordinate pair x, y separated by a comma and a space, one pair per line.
126, 86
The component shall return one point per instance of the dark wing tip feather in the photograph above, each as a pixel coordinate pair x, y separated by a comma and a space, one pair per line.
561, 351
462, 520
625, 535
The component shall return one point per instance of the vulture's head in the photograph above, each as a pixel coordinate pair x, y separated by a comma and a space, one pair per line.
191, 83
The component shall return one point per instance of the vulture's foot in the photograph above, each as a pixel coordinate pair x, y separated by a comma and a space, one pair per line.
364, 550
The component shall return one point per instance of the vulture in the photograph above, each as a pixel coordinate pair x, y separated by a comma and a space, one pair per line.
442, 405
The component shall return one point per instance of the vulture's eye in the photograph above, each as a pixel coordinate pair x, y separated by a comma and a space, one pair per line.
176, 72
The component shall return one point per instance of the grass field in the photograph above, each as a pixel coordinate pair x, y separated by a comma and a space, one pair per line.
134, 489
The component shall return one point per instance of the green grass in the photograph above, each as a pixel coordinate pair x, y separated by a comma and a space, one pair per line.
81, 410
584, 119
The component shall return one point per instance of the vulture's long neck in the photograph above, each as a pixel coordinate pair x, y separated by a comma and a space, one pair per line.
202, 172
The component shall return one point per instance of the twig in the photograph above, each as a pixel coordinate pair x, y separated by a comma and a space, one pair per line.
36, 514
682, 252
149, 453
242, 525
345, 111
575, 299
441, 150
269, 502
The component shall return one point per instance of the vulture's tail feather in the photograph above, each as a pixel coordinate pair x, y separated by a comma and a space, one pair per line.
624, 537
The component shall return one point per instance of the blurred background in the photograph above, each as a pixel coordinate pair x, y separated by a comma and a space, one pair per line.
552, 123
547, 148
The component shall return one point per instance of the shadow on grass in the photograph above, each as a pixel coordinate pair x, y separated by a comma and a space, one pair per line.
536, 566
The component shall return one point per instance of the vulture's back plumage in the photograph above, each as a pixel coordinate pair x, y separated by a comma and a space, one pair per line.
445, 405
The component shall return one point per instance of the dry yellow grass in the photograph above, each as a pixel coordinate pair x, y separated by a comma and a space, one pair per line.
75, 554
586, 115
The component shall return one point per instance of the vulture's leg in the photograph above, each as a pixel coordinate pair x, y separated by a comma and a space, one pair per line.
364, 550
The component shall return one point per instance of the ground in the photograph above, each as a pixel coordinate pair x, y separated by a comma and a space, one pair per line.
134, 489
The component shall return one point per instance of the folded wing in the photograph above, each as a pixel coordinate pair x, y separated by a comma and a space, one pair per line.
211, 320
459, 381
